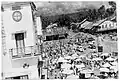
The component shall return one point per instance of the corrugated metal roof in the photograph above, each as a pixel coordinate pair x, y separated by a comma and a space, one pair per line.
99, 22
86, 24
89, 26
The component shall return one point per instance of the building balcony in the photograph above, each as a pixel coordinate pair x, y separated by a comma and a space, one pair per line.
23, 52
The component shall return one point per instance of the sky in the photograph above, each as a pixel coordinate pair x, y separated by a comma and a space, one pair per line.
61, 7
53, 8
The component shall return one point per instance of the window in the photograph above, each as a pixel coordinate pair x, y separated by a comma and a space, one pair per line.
102, 26
109, 25
20, 45
106, 26
20, 49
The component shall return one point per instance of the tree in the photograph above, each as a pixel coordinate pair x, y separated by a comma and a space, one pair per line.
90, 15
112, 3
110, 11
113, 6
64, 20
101, 11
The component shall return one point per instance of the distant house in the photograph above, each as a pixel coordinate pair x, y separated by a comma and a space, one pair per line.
86, 26
105, 25
108, 25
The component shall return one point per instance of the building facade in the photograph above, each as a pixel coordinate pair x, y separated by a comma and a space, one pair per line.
19, 31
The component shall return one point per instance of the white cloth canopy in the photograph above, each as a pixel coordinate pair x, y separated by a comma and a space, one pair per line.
97, 59
80, 66
68, 57
94, 54
66, 66
105, 54
78, 59
114, 63
110, 59
61, 59
86, 71
106, 65
104, 69
65, 71
73, 77
75, 55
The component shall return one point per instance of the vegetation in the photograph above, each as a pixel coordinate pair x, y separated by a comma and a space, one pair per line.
90, 14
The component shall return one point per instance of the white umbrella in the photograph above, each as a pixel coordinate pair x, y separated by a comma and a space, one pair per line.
73, 77
65, 71
66, 66
75, 55
114, 63
105, 54
104, 69
110, 59
94, 54
61, 59
68, 57
78, 59
106, 65
86, 71
97, 59
80, 66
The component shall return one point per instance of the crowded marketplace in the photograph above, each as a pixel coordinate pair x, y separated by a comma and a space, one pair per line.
39, 47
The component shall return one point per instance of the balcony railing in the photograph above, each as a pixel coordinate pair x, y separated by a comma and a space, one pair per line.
22, 52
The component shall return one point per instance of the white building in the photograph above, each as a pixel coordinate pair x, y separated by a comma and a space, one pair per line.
19, 34
106, 25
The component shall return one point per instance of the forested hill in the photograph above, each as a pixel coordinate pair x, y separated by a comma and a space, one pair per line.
90, 14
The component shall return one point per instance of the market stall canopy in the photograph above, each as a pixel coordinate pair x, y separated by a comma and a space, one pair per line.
67, 71
105, 54
86, 71
97, 59
114, 63
94, 54
66, 66
110, 59
75, 55
106, 65
68, 57
61, 59
80, 66
78, 59
73, 77
104, 69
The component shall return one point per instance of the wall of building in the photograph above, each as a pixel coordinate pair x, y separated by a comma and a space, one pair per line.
12, 67
11, 26
108, 25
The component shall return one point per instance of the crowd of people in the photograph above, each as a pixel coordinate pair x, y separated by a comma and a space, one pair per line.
78, 58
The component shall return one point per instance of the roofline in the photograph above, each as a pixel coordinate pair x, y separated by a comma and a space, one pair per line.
8, 5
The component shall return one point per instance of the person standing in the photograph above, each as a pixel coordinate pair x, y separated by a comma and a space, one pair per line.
39, 66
